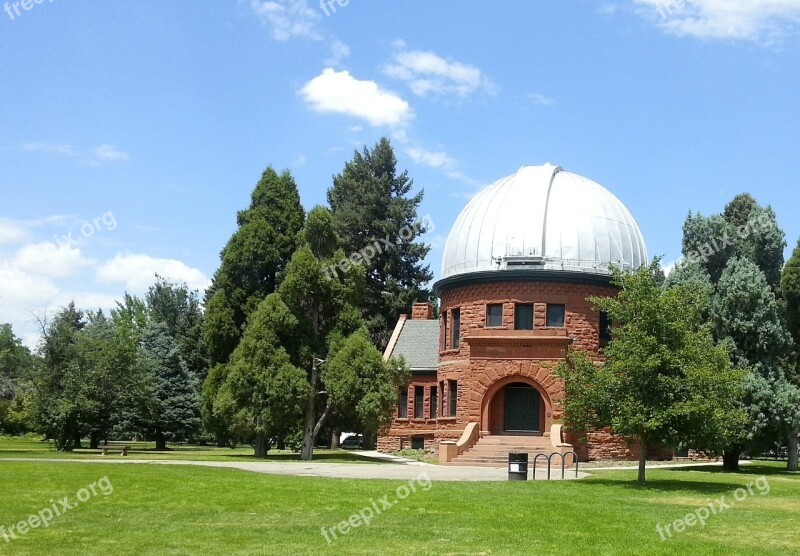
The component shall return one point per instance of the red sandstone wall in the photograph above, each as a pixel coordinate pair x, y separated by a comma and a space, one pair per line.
478, 379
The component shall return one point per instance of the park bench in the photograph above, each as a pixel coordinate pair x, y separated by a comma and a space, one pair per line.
107, 447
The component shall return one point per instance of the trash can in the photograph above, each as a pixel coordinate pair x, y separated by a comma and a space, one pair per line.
517, 467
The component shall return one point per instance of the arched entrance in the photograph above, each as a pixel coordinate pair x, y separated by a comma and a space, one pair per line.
522, 408
514, 405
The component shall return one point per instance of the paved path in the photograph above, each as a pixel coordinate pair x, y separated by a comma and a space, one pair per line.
399, 471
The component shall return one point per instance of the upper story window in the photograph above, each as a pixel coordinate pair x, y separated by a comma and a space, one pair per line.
455, 319
494, 315
556, 315
444, 331
523, 316
605, 329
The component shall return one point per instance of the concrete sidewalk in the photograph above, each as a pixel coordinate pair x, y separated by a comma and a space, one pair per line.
401, 471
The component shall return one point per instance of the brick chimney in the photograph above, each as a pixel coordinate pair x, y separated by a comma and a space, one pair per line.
422, 311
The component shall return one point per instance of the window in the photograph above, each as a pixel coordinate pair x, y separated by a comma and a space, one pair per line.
523, 316
434, 402
494, 315
441, 398
444, 331
402, 404
453, 397
605, 329
555, 315
419, 402
417, 442
456, 321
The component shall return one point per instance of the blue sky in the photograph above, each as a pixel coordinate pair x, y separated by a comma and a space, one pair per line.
132, 132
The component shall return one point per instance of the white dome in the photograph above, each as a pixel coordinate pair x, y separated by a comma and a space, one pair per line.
543, 219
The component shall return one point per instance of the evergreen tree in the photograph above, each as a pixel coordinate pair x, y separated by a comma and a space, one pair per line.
252, 261
375, 217
790, 288
173, 411
179, 309
741, 253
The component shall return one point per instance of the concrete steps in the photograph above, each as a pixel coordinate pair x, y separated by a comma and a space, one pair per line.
492, 451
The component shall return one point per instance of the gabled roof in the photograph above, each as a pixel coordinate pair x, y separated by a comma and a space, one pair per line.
417, 341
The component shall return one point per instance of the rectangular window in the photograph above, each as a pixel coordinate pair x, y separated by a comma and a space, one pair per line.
419, 402
402, 404
417, 442
494, 315
523, 316
605, 329
434, 402
453, 397
555, 315
444, 331
455, 340
441, 398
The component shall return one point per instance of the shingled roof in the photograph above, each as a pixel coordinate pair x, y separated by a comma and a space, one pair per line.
418, 342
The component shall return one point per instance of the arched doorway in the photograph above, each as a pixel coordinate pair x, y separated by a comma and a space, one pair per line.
522, 408
515, 405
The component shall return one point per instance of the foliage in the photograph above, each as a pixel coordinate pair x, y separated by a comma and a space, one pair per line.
253, 260
370, 206
664, 379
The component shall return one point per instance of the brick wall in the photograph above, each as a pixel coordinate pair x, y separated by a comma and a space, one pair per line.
529, 357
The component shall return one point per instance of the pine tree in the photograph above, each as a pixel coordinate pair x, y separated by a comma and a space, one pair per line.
374, 216
174, 405
790, 288
252, 261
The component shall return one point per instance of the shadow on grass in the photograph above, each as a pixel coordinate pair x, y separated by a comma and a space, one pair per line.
724, 481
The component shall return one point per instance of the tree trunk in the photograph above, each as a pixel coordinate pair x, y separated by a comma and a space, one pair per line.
336, 437
76, 437
640, 479
94, 440
792, 466
161, 442
311, 410
261, 446
730, 460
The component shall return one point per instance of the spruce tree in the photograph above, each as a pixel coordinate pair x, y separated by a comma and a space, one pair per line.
375, 216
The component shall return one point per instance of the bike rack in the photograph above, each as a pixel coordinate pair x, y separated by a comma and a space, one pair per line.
563, 463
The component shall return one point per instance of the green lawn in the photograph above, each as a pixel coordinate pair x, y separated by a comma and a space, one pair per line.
30, 448
194, 510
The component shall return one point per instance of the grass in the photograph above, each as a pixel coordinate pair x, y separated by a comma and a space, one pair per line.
11, 447
194, 510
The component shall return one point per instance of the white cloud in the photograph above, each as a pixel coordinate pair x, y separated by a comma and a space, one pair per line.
109, 152
92, 157
338, 92
433, 159
427, 72
339, 51
288, 19
541, 100
137, 272
439, 160
756, 20
52, 148
49, 259
12, 231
